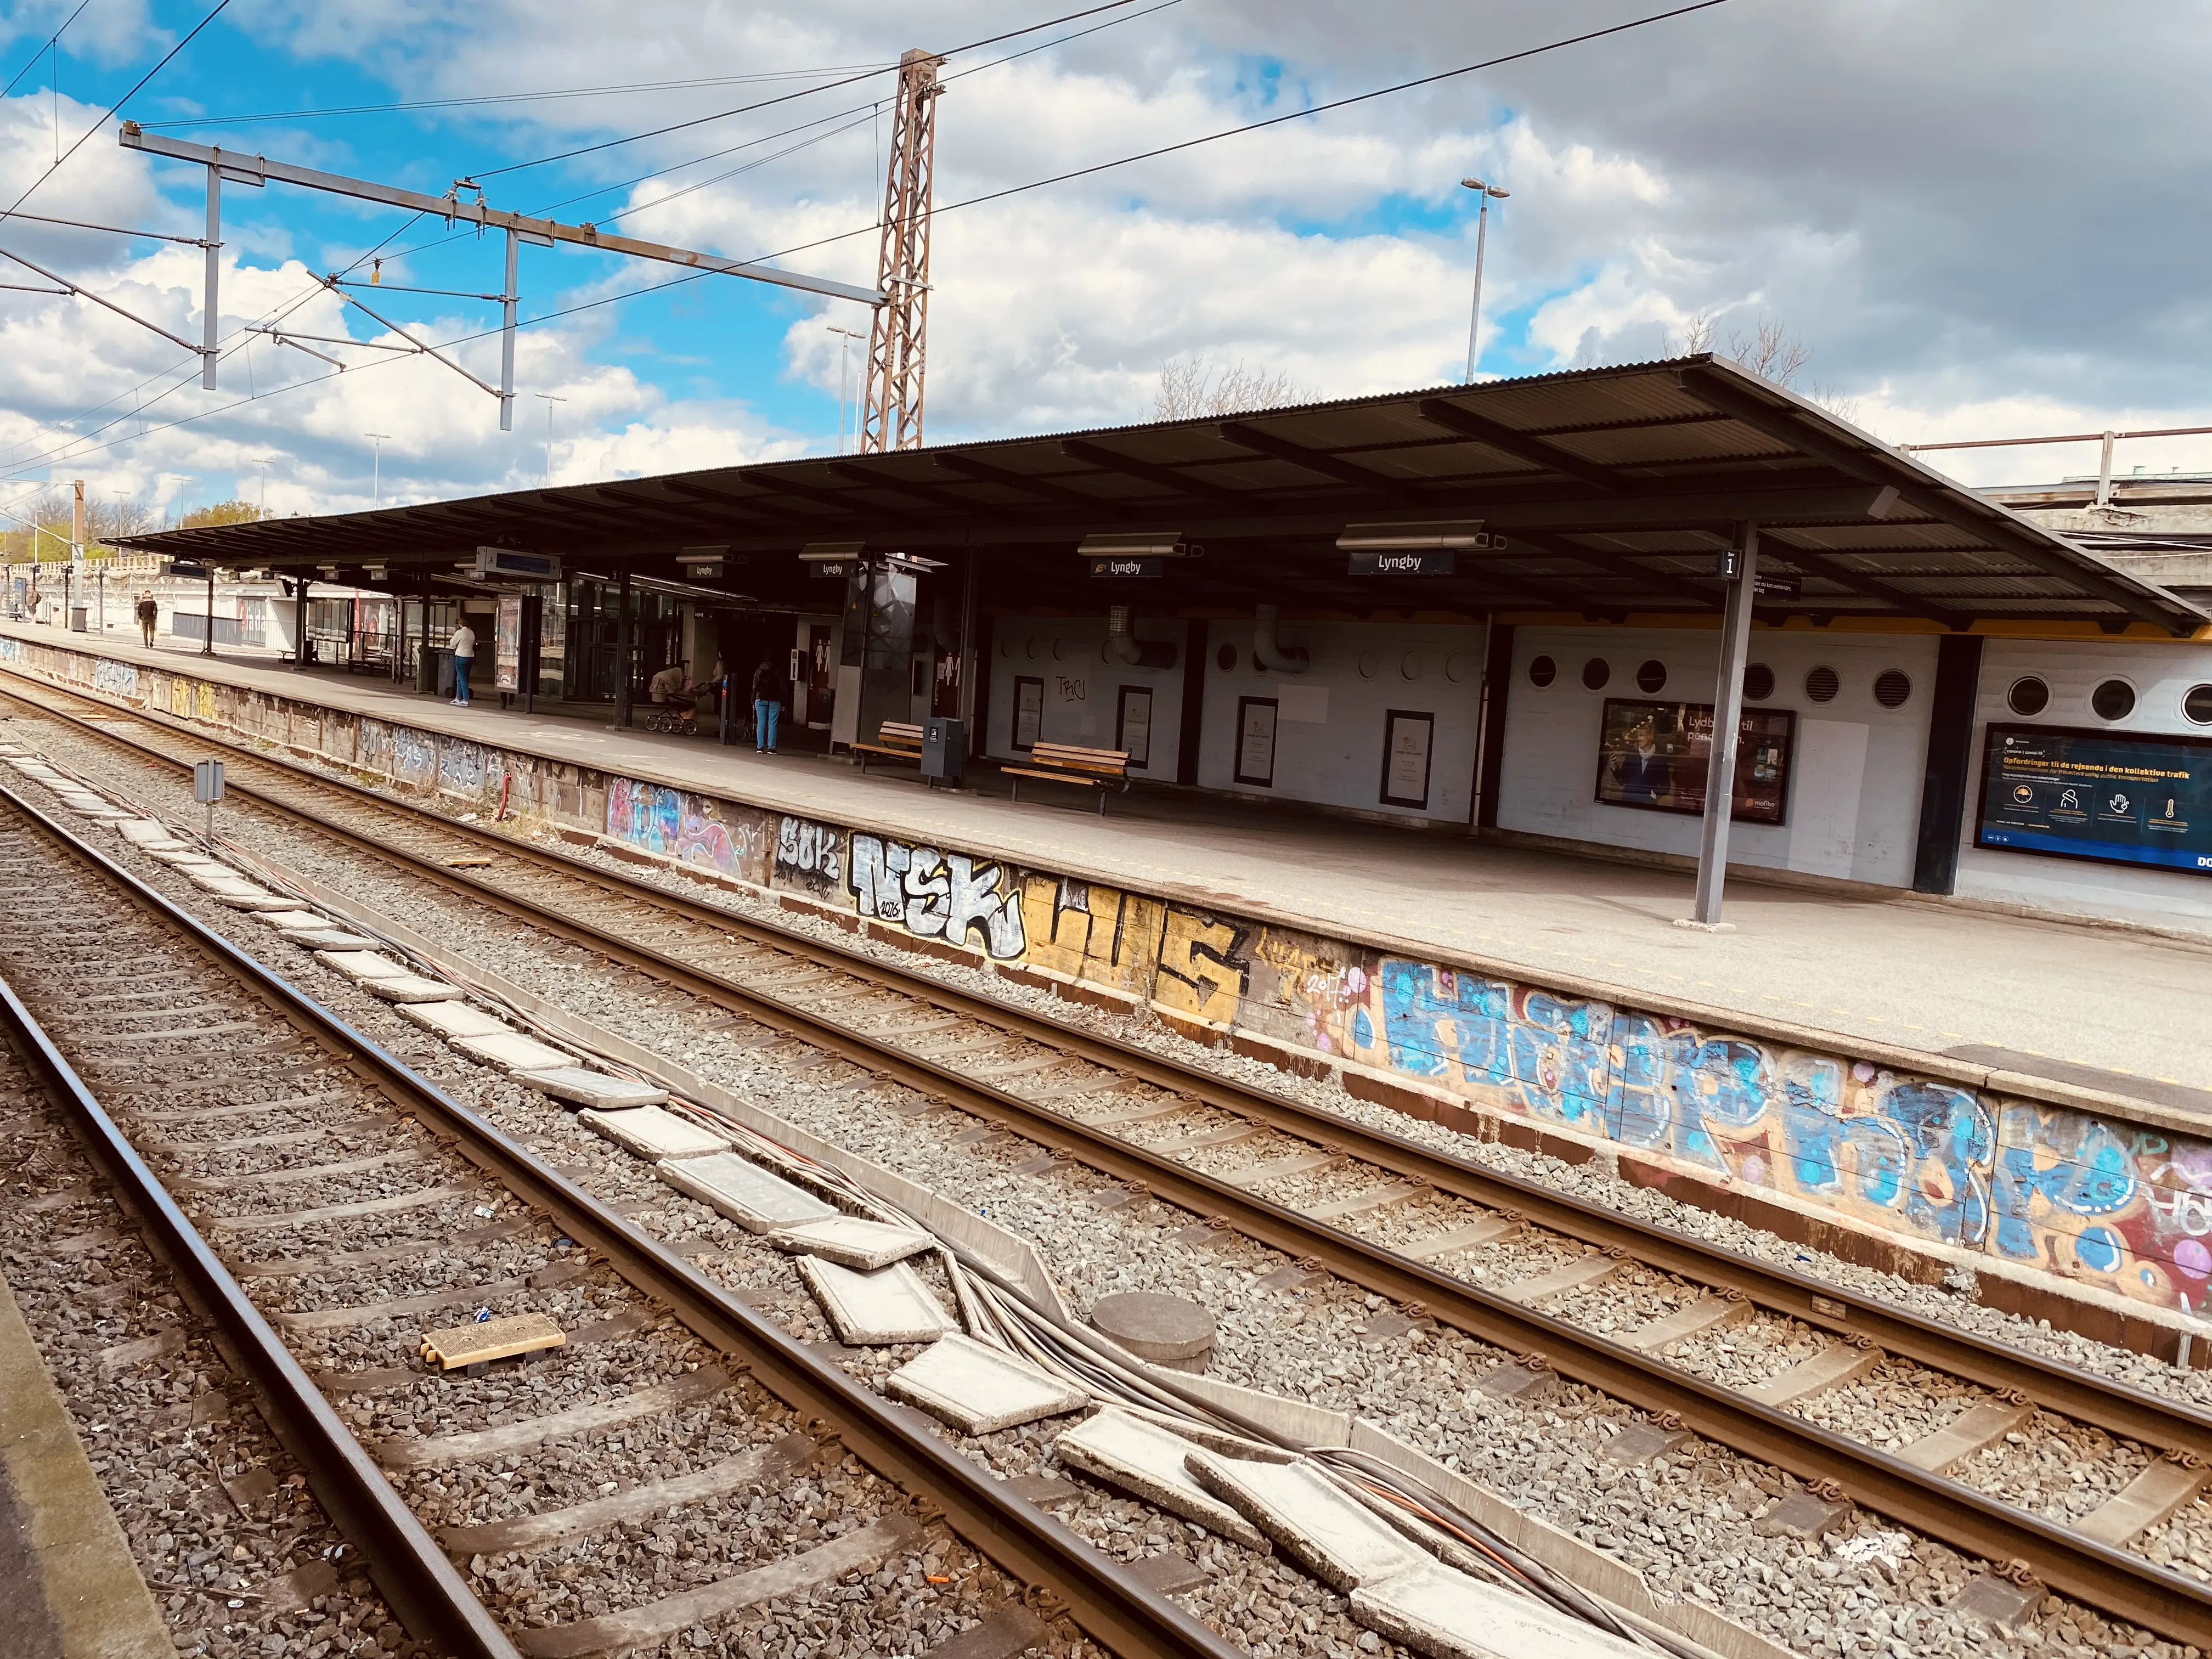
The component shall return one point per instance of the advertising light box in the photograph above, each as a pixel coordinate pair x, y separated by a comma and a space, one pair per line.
2117, 797
1656, 756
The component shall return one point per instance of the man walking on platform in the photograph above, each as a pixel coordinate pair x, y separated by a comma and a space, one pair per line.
148, 613
768, 703
465, 653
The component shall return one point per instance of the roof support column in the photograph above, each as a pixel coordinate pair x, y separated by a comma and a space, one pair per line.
623, 649
1728, 715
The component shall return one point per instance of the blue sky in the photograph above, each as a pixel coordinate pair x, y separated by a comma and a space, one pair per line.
1755, 161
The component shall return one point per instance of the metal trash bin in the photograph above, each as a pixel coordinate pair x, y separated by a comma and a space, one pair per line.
944, 748
76, 618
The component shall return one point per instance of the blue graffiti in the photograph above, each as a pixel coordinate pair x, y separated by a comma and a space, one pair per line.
1416, 1001
2093, 1174
1639, 1108
1574, 1037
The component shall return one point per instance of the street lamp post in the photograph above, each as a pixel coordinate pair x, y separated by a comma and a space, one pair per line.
549, 401
377, 464
1486, 192
844, 378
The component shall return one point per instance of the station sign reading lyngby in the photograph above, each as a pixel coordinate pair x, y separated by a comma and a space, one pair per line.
1111, 567
1424, 561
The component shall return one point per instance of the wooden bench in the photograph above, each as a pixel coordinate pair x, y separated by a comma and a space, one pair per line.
1102, 769
899, 740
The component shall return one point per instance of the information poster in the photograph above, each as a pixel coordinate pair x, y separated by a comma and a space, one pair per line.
1654, 756
506, 644
1408, 736
1132, 726
2116, 797
1255, 741
1028, 710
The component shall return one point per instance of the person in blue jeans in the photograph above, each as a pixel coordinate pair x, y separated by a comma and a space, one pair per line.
464, 657
768, 703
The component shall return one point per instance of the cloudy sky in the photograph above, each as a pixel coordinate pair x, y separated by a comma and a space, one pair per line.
1982, 216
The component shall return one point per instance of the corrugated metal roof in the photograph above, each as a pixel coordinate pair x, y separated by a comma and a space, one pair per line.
1605, 492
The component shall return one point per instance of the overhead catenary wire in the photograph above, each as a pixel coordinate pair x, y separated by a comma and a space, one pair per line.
108, 115
45, 46
1500, 60
240, 334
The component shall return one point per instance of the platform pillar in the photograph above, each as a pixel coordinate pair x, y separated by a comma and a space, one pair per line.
1742, 586
622, 650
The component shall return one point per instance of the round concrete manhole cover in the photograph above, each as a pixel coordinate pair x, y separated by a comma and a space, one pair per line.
1164, 1328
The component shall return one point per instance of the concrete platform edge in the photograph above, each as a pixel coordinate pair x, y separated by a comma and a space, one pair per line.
92, 1582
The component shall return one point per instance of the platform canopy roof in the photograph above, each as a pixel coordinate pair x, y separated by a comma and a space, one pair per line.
1600, 492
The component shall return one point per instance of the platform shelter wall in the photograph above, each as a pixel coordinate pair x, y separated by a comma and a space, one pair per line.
2161, 674
1852, 807
1329, 724
1886, 1155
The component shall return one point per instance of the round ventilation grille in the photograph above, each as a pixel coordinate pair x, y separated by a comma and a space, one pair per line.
1822, 683
1892, 688
2028, 696
1456, 666
2115, 699
2196, 703
1542, 671
1651, 675
1596, 673
1226, 659
1758, 682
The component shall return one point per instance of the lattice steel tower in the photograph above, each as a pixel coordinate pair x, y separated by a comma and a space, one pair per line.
892, 416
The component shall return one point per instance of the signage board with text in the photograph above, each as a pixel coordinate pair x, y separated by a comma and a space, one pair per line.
2116, 797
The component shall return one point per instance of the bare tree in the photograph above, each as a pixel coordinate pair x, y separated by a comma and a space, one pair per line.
1771, 352
1193, 388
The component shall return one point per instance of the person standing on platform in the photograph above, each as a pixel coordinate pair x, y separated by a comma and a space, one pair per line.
768, 703
148, 613
465, 653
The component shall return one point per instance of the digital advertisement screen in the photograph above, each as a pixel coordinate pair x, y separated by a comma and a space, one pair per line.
1656, 755
2116, 797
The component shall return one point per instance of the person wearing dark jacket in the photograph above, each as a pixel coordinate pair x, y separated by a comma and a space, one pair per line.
768, 703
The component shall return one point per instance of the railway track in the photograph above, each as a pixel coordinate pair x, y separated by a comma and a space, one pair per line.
301, 1160
1382, 1211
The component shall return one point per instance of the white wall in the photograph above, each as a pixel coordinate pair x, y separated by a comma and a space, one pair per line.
1853, 806
2161, 672
1358, 672
1081, 687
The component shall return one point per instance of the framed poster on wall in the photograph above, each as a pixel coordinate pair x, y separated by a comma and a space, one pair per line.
1132, 725
1654, 757
1408, 736
1255, 741
1028, 710
2115, 797
506, 644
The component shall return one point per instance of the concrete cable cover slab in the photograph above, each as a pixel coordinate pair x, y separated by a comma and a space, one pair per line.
1144, 1458
980, 1390
748, 1194
652, 1133
873, 1310
1333, 1537
851, 1241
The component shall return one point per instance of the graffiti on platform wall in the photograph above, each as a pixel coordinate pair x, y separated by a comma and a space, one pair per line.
461, 766
1095, 934
725, 836
1205, 962
118, 679
11, 648
414, 755
645, 816
936, 894
810, 858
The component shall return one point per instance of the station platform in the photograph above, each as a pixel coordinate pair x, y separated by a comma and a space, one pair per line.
69, 1587
2099, 1005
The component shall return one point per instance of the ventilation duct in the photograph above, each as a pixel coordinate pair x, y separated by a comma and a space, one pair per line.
1267, 653
1123, 646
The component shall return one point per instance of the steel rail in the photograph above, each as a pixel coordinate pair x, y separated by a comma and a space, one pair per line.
1111, 1604
2116, 1406
2125, 1586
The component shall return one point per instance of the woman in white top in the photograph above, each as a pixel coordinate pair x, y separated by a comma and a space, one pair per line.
465, 653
